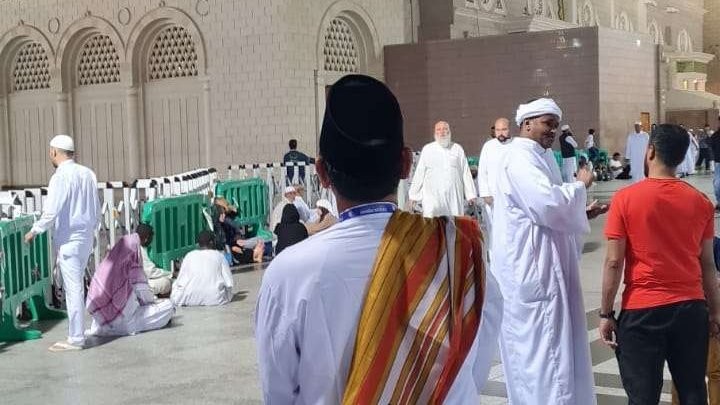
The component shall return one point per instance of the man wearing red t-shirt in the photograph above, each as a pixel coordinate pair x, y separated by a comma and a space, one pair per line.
660, 231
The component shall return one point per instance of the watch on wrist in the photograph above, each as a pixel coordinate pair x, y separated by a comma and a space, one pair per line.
609, 315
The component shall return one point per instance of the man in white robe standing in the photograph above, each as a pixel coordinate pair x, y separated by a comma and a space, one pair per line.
537, 222
491, 156
637, 143
72, 209
310, 319
567, 150
442, 182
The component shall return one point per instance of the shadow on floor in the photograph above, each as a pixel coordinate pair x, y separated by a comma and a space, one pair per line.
240, 296
591, 247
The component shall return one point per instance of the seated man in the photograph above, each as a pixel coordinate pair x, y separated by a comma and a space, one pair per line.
158, 279
619, 170
325, 218
242, 254
120, 299
204, 277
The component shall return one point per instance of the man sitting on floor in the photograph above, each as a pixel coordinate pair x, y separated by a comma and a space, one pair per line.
158, 279
205, 277
120, 299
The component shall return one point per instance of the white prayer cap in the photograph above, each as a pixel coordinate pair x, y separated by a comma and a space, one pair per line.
565, 127
537, 108
289, 189
63, 142
323, 203
638, 123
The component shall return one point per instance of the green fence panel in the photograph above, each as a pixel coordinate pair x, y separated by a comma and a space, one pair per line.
25, 273
176, 222
250, 198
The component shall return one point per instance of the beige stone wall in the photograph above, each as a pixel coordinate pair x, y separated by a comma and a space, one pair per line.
261, 69
627, 76
712, 43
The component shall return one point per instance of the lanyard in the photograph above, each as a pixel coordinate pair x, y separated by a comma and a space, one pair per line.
367, 209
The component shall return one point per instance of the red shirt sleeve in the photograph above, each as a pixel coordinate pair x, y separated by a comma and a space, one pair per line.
615, 226
709, 232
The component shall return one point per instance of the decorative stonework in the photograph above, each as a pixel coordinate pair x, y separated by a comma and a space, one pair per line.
98, 62
340, 51
31, 70
587, 15
684, 43
172, 55
54, 25
124, 16
202, 7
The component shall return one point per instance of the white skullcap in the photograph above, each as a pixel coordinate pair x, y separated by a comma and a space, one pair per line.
537, 108
63, 142
289, 189
565, 127
638, 123
323, 203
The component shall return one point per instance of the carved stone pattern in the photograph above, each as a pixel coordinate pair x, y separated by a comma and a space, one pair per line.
172, 54
31, 69
99, 62
587, 16
340, 51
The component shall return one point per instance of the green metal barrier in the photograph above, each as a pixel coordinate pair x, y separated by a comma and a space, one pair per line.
25, 274
250, 198
176, 222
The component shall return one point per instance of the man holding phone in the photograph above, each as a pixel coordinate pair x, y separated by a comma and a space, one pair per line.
660, 232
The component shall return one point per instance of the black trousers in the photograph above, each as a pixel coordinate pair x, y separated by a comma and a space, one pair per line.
705, 155
676, 333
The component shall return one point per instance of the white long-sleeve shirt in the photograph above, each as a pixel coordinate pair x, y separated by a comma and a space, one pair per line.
589, 141
204, 279
72, 205
442, 181
490, 158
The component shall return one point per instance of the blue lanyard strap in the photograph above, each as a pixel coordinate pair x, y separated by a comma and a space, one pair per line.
367, 209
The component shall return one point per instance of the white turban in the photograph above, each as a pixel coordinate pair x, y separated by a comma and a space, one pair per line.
289, 189
565, 127
537, 108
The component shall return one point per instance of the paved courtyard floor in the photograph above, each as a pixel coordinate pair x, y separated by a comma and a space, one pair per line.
207, 355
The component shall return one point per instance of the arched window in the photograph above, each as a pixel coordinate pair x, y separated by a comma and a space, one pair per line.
31, 69
98, 62
654, 33
622, 22
684, 43
340, 50
172, 55
587, 16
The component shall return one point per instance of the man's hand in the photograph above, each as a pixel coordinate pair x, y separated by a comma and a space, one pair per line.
715, 325
488, 200
412, 204
584, 175
596, 209
29, 237
608, 332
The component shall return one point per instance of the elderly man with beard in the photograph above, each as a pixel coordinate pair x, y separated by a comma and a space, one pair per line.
537, 226
442, 180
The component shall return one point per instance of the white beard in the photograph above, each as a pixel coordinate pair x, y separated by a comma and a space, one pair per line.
445, 143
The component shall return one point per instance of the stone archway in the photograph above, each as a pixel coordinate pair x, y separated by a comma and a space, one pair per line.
347, 43
169, 70
92, 58
27, 108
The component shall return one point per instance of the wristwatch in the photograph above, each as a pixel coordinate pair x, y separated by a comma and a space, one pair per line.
610, 315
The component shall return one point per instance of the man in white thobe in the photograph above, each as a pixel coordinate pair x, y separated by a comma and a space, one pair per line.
537, 222
442, 182
637, 143
307, 320
291, 196
160, 281
490, 157
72, 210
205, 278
568, 144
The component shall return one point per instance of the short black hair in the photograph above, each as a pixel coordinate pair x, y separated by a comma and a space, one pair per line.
365, 190
293, 144
144, 230
616, 154
591, 131
206, 240
670, 143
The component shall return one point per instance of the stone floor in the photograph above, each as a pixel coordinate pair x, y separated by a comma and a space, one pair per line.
207, 355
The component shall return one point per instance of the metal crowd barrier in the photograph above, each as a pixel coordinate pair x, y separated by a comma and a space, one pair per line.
250, 196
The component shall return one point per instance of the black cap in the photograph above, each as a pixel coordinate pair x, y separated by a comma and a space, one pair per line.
362, 131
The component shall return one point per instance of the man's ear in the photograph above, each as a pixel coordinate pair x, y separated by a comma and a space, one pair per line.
322, 173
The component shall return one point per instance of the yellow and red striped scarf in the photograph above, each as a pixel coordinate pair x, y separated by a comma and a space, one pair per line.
421, 312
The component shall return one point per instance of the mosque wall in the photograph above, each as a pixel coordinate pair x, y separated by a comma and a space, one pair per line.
627, 73
470, 83
161, 86
712, 44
